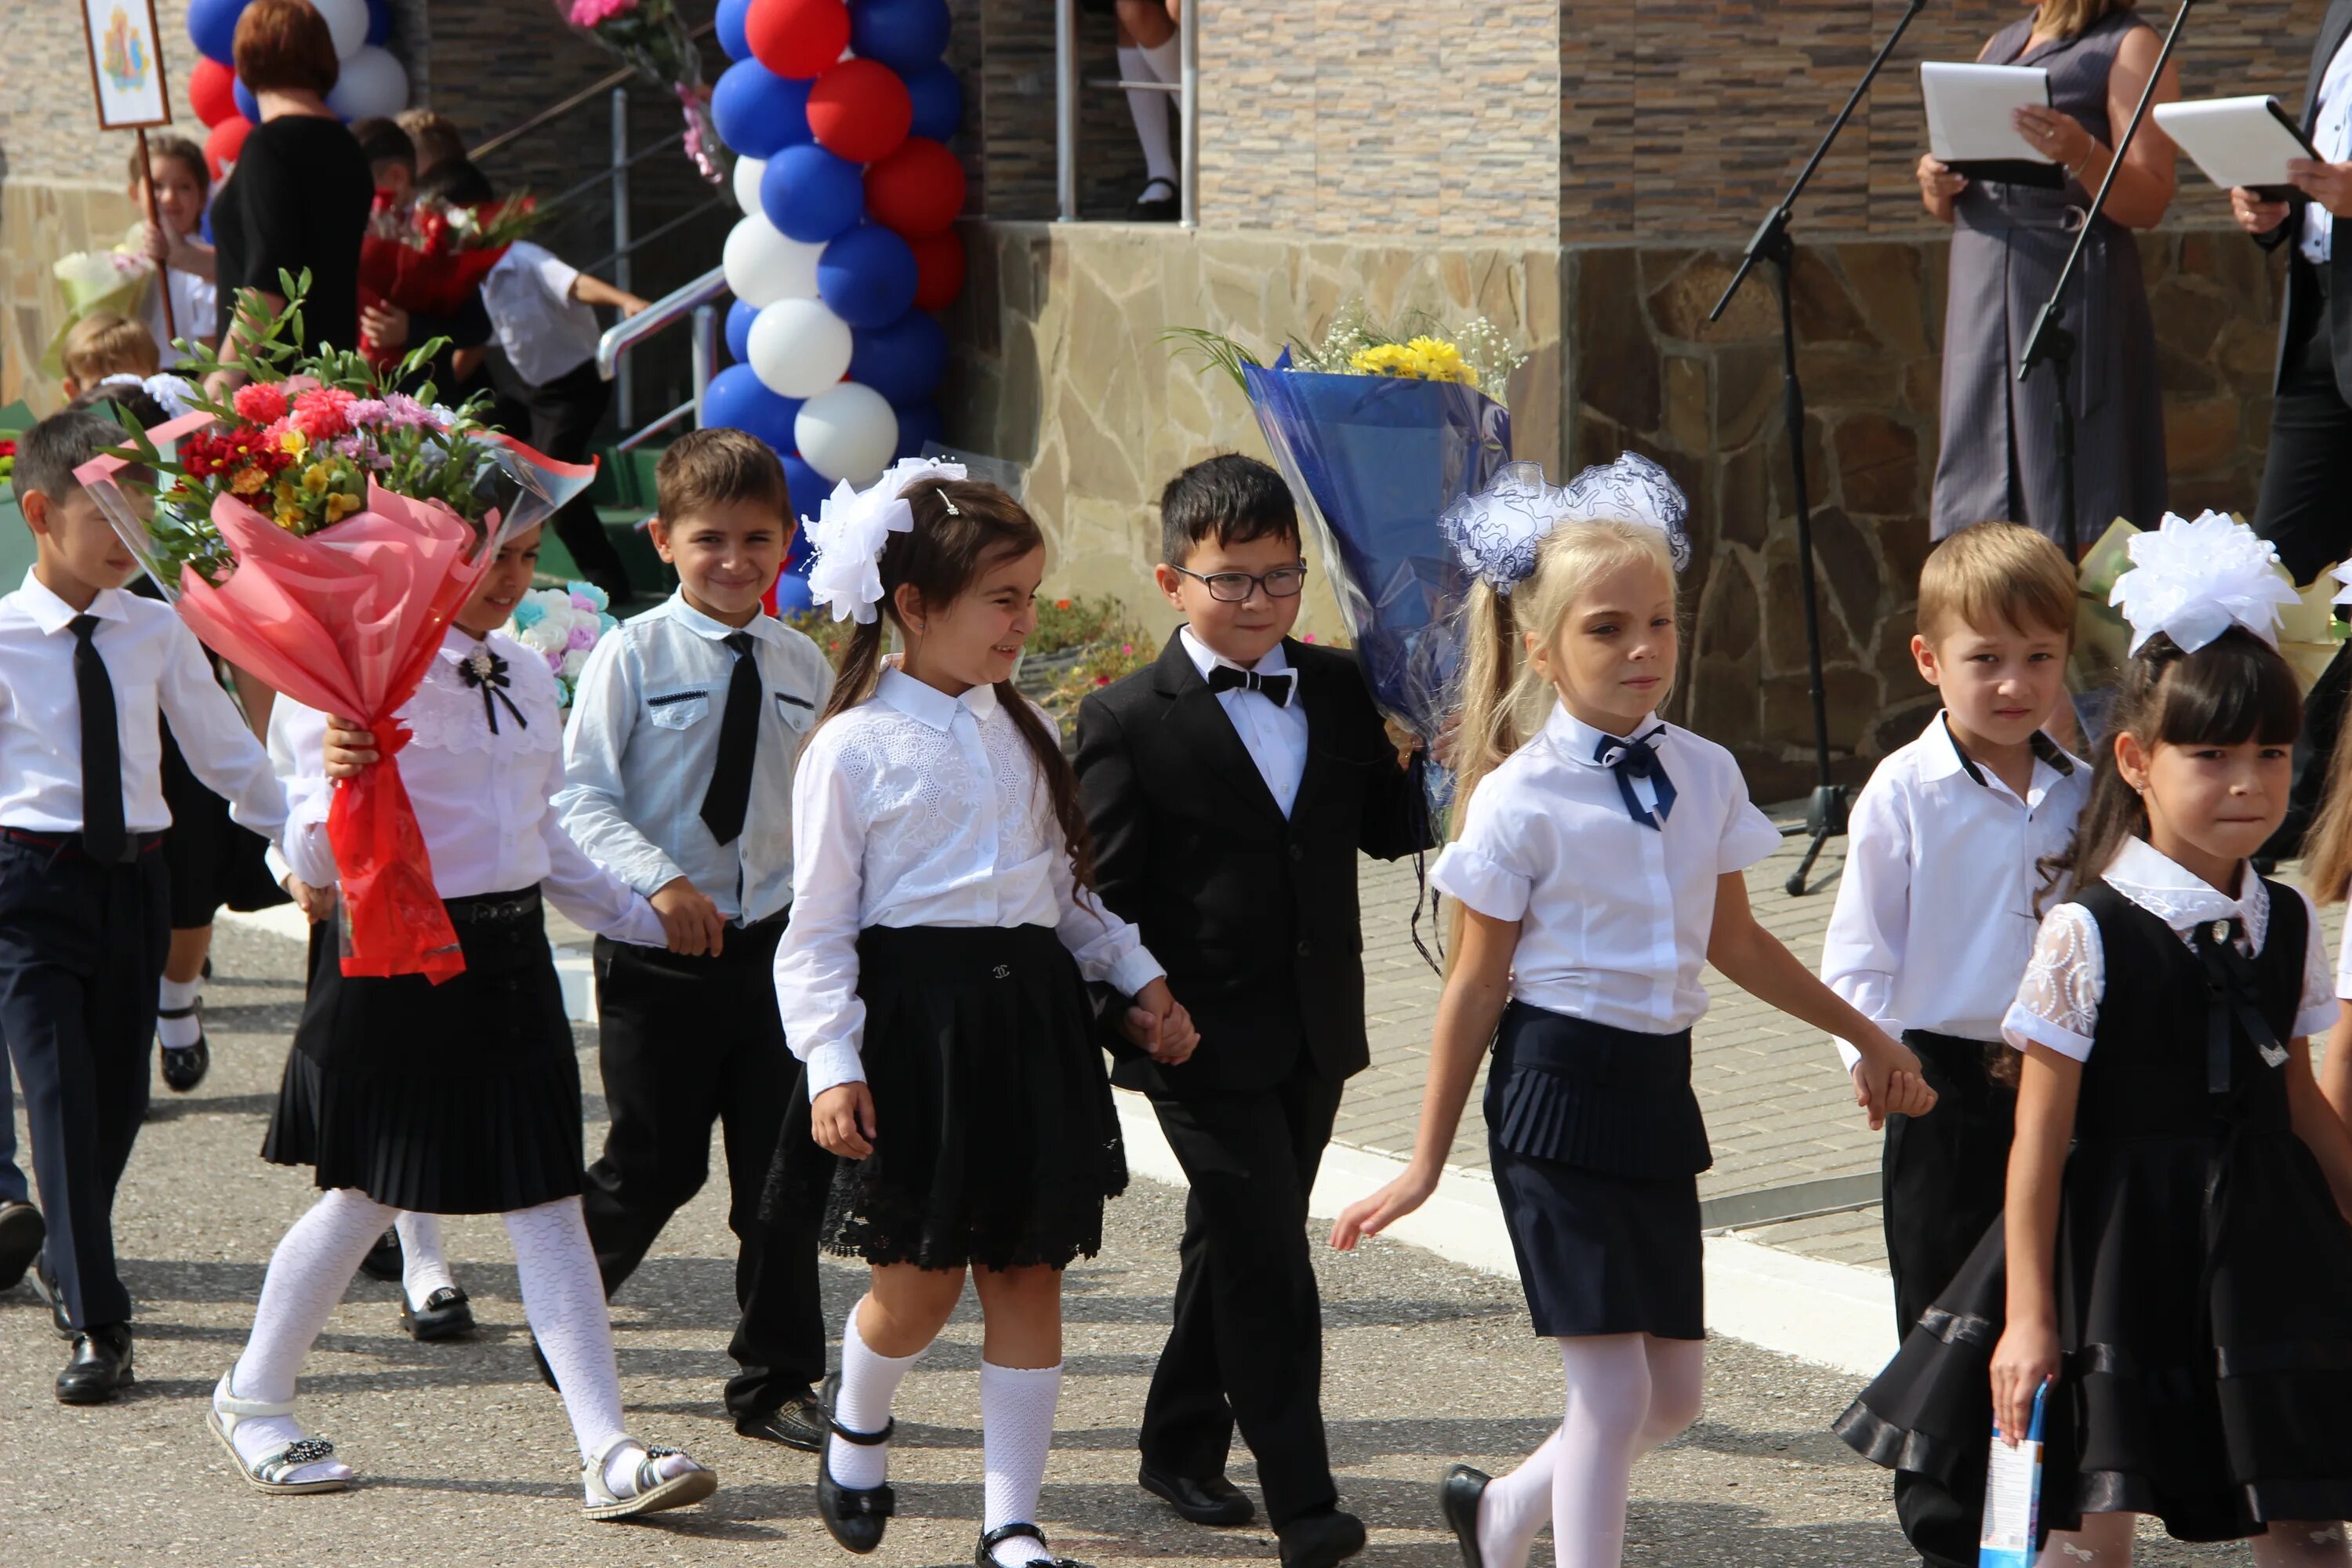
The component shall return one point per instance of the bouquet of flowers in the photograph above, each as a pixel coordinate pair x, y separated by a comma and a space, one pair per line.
653, 38
322, 533
560, 626
428, 255
95, 281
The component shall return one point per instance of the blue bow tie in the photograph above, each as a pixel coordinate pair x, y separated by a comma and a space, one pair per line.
1637, 759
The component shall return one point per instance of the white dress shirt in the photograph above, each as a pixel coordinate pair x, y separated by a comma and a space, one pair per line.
1935, 918
642, 742
1274, 735
1615, 915
915, 809
2058, 1004
196, 307
2331, 137
545, 331
482, 798
156, 666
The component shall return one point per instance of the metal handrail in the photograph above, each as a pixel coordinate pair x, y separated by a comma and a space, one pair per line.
1065, 111
564, 106
641, 241
622, 336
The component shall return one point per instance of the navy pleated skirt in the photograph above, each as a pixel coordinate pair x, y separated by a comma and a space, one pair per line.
1596, 1142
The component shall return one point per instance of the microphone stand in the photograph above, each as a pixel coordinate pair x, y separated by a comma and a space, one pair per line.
2052, 342
1826, 815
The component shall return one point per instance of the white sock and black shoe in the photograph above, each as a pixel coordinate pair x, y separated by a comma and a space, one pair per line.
853, 1493
433, 1306
180, 1028
1159, 202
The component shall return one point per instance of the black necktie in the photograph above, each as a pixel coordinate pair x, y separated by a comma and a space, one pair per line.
1275, 688
2234, 991
102, 835
729, 795
1637, 759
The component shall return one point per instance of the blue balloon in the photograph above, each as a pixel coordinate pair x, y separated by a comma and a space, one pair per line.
212, 27
868, 277
379, 31
740, 400
811, 196
205, 228
732, 39
905, 34
938, 101
247, 104
740, 316
809, 490
757, 112
793, 594
919, 423
903, 360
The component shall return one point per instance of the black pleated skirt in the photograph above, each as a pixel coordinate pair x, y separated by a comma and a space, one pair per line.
213, 861
1596, 1144
995, 1137
461, 1098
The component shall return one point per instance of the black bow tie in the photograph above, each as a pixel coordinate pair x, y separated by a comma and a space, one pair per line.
485, 671
1275, 688
1637, 759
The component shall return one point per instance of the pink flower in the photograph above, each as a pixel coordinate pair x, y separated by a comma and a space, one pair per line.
365, 412
323, 413
260, 402
583, 601
589, 13
554, 661
1308, 637
584, 635
404, 411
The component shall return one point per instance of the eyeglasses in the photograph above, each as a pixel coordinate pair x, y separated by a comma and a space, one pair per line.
1234, 587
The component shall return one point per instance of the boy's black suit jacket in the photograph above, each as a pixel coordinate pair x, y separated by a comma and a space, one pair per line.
1254, 914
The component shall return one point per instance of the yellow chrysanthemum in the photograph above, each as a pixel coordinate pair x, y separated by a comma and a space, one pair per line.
1384, 359
341, 506
249, 481
316, 478
1437, 360
294, 442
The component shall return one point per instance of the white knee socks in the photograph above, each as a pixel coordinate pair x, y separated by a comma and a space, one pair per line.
424, 1266
869, 1382
1149, 109
178, 1033
1016, 1423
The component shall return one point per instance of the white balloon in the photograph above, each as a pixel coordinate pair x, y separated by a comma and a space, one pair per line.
764, 265
346, 24
747, 184
800, 349
847, 432
372, 82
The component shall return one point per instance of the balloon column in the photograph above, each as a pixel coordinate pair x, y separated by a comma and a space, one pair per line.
838, 114
372, 80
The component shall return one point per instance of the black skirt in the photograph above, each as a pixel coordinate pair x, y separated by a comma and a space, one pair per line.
1596, 1144
214, 862
995, 1137
461, 1098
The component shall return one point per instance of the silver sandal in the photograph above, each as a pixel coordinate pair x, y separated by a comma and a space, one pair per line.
268, 1473
653, 1494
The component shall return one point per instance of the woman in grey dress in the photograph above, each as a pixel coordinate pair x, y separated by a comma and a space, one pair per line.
2009, 243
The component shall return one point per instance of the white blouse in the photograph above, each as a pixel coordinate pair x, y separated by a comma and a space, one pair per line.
915, 809
482, 796
1615, 915
2058, 1004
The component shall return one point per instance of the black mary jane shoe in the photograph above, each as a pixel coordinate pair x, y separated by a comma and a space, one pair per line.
445, 1315
185, 1065
1320, 1540
852, 1516
22, 1231
798, 1423
1458, 1496
100, 1367
383, 1260
1148, 208
1209, 1501
985, 1556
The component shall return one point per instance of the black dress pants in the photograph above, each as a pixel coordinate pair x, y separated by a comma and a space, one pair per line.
685, 1043
1247, 1345
81, 949
560, 420
1946, 1176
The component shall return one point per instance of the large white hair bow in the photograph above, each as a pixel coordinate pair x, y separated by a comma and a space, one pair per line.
2192, 581
1495, 532
851, 529
171, 394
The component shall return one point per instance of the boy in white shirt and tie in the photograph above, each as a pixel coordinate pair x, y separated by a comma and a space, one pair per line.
1940, 903
85, 670
679, 764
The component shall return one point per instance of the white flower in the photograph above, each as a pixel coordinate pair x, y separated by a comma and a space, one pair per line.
852, 528
2193, 581
574, 663
547, 635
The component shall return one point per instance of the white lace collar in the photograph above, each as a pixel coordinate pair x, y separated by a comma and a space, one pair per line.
2181, 899
447, 715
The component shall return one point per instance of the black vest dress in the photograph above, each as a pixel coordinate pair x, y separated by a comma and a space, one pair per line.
2203, 1272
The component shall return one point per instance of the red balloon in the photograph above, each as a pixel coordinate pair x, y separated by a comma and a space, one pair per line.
916, 190
859, 110
939, 269
797, 38
212, 91
225, 143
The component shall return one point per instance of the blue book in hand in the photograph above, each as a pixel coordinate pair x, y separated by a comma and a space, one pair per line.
2012, 1510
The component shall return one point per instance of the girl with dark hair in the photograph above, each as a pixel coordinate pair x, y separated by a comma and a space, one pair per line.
2174, 1266
931, 980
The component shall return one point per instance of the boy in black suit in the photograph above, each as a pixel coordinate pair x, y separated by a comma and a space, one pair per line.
1231, 787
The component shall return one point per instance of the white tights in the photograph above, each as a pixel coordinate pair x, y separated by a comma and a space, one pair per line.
2106, 1541
1626, 1394
424, 1265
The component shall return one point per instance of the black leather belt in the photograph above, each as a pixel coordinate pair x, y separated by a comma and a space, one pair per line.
495, 908
69, 845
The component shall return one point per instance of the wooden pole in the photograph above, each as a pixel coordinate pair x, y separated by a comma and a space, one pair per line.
155, 223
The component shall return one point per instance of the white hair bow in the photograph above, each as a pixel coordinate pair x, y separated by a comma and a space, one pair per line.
171, 394
850, 530
1495, 532
2194, 580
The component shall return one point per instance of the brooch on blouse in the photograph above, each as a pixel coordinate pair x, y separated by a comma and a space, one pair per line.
484, 671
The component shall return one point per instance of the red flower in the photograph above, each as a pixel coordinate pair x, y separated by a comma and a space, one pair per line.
262, 402
7, 448
324, 414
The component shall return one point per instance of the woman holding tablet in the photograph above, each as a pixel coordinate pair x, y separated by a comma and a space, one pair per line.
2008, 244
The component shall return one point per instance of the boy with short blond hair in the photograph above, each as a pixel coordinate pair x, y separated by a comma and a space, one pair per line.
1936, 910
105, 343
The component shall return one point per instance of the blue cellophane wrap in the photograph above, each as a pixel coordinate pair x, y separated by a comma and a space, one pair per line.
1372, 461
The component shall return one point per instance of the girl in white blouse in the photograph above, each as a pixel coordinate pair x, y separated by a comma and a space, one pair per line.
1597, 868
460, 1098
2173, 1274
933, 978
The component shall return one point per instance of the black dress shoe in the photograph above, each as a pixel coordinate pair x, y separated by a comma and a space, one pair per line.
1458, 1496
1148, 208
1211, 1500
185, 1065
1320, 1539
445, 1315
100, 1367
22, 1231
797, 1423
45, 1285
854, 1516
985, 1556
383, 1261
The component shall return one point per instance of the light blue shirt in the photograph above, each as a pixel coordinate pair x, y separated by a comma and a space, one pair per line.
644, 741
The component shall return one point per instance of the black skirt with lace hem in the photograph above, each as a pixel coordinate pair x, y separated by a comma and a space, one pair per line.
996, 1140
